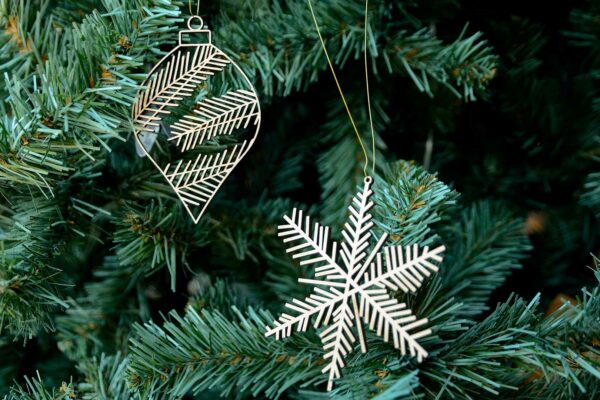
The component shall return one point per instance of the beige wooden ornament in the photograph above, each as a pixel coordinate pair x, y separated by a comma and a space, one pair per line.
352, 285
177, 77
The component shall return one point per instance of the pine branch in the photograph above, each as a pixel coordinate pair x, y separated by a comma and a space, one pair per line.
99, 320
515, 352
401, 388
67, 107
29, 283
157, 237
104, 379
516, 347
494, 357
29, 295
25, 30
488, 242
281, 53
409, 202
207, 350
247, 247
222, 296
35, 389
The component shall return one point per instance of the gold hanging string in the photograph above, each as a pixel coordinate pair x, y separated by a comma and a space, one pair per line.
367, 84
197, 8
312, 11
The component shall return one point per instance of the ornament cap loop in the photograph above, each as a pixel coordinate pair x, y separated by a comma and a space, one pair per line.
195, 23
368, 180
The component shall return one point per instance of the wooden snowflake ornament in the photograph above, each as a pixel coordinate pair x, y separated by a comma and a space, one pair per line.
352, 285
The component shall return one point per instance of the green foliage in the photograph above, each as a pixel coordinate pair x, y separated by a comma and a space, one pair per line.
94, 246
103, 381
28, 297
292, 59
508, 350
66, 107
99, 320
34, 389
157, 236
29, 283
401, 388
488, 242
208, 350
409, 202
496, 356
104, 378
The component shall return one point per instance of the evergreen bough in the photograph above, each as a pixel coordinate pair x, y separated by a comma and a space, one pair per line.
108, 291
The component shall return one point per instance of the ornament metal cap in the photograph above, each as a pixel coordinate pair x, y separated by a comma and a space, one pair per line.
195, 25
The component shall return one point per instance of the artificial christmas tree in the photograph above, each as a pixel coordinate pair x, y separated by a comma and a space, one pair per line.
109, 290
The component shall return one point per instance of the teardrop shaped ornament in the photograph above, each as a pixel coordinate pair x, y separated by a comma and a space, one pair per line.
203, 104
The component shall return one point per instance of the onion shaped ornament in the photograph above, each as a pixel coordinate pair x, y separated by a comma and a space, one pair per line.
206, 107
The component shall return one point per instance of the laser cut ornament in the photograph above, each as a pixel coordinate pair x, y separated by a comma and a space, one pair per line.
174, 79
355, 290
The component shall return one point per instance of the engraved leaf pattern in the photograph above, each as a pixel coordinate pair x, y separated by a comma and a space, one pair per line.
175, 81
217, 116
197, 181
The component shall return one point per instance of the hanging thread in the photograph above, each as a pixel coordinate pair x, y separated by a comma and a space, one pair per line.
314, 17
367, 83
197, 8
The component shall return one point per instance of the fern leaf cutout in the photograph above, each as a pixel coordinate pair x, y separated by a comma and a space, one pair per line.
217, 116
197, 181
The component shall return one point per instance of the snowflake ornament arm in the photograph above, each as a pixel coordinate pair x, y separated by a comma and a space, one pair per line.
352, 285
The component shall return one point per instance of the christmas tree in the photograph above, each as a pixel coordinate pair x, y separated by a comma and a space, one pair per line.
486, 130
